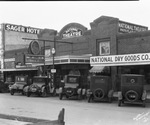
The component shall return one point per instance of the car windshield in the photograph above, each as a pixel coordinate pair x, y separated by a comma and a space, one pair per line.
39, 80
20, 79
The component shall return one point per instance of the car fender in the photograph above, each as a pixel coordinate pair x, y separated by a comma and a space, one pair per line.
60, 90
88, 92
119, 95
13, 87
26, 89
110, 93
83, 91
43, 87
144, 95
79, 91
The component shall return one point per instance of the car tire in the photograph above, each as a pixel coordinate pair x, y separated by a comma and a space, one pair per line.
54, 93
119, 103
44, 94
98, 93
129, 98
110, 99
144, 103
12, 92
70, 94
60, 96
28, 94
89, 99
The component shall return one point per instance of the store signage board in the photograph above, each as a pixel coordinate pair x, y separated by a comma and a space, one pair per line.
72, 32
20, 28
120, 60
125, 27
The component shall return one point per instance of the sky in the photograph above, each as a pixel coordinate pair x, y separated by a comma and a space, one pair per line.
57, 14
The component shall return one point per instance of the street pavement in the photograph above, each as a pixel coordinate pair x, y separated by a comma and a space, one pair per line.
77, 112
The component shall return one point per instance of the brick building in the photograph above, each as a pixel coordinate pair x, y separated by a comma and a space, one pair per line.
74, 46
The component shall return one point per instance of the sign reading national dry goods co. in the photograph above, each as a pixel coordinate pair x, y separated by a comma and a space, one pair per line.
72, 32
19, 28
125, 27
118, 60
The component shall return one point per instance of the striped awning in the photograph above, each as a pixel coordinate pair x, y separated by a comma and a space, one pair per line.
97, 69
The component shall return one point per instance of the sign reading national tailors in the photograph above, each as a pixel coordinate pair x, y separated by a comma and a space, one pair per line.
121, 60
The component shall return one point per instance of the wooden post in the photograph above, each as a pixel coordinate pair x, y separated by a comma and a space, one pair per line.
61, 117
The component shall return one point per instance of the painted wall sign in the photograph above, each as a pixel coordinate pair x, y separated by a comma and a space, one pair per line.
72, 32
120, 60
34, 58
19, 28
125, 27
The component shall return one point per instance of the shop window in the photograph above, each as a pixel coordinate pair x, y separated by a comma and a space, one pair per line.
104, 48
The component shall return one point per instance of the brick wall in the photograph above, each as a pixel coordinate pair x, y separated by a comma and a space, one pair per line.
134, 43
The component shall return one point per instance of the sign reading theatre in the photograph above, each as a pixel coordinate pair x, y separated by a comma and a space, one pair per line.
19, 28
72, 32
118, 60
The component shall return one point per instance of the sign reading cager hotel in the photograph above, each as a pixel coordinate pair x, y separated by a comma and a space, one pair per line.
125, 27
19, 28
120, 60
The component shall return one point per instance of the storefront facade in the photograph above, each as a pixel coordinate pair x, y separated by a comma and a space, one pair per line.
131, 55
74, 44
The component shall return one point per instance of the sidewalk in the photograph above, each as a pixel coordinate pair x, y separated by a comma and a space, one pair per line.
12, 122
20, 120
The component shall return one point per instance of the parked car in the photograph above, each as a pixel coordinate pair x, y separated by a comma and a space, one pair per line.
100, 89
19, 85
132, 89
41, 86
71, 87
2, 87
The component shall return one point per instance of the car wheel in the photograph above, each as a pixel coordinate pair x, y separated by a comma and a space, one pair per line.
144, 103
54, 92
39, 94
79, 97
60, 96
44, 94
89, 99
12, 92
69, 92
99, 93
28, 94
119, 103
110, 99
131, 95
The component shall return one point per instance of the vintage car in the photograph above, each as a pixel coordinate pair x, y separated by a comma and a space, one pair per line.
100, 89
132, 89
41, 86
71, 87
19, 85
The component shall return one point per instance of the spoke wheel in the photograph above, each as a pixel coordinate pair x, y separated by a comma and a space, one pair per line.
44, 94
12, 92
60, 96
99, 93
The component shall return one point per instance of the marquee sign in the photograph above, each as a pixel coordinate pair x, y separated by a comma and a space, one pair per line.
125, 27
19, 28
120, 60
72, 32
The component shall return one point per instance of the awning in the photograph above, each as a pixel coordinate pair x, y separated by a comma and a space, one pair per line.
97, 69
